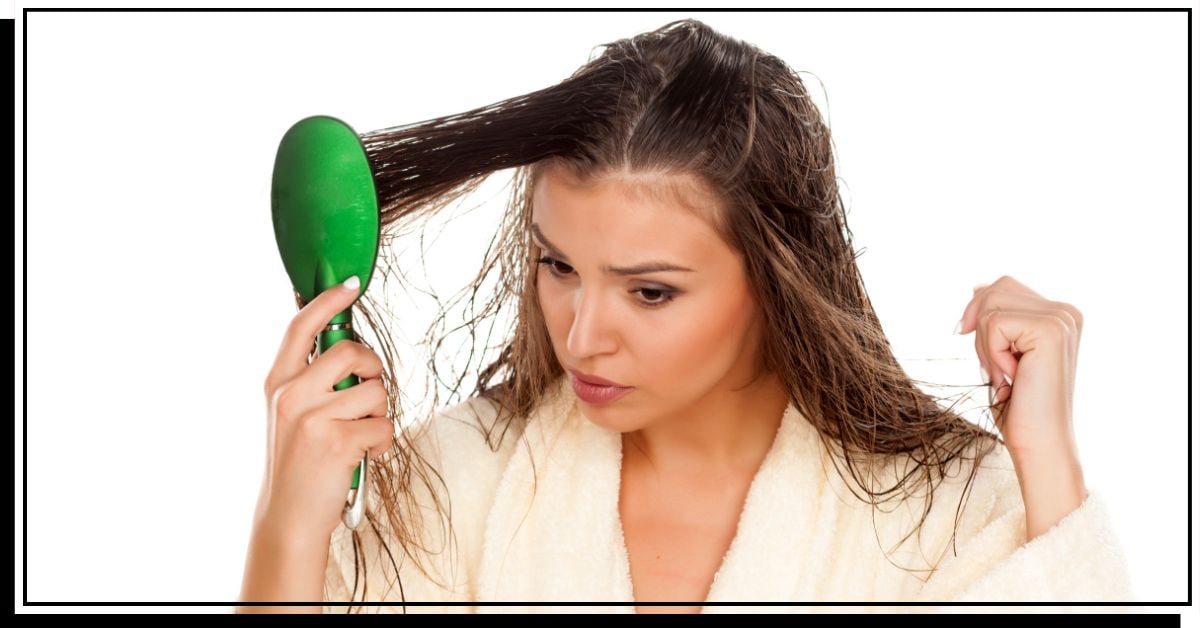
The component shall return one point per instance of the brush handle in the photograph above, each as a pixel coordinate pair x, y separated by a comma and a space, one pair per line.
334, 332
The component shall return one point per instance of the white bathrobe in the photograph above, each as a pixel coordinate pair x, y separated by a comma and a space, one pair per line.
802, 536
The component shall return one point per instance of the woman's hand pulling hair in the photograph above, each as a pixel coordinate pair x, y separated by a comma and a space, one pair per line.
1027, 347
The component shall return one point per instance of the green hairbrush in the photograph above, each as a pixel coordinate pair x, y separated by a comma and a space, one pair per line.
326, 217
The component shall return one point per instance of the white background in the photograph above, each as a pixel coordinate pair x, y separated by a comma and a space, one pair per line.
1047, 146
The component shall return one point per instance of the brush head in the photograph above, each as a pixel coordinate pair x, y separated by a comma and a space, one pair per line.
324, 207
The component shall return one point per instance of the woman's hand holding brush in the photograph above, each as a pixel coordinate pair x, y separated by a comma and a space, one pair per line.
316, 437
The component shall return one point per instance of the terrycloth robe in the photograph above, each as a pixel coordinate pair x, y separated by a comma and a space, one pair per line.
802, 536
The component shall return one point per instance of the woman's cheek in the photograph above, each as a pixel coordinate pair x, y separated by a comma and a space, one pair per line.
556, 308
703, 338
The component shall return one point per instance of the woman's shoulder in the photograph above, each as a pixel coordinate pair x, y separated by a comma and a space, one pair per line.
983, 474
463, 448
996, 478
483, 430
954, 502
467, 432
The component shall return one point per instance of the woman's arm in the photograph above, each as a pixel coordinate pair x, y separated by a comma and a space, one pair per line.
1052, 487
282, 567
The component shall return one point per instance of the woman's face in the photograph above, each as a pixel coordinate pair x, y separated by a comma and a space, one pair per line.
680, 338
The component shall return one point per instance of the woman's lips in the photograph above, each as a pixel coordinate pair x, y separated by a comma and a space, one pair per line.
594, 380
595, 394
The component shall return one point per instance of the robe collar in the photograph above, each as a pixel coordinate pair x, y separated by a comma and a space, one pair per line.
564, 541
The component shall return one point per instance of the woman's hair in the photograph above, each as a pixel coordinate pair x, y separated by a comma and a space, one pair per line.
738, 125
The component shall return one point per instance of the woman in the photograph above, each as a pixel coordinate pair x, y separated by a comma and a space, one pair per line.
693, 352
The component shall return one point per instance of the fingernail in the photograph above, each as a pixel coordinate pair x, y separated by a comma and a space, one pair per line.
351, 283
987, 379
1007, 379
991, 395
958, 328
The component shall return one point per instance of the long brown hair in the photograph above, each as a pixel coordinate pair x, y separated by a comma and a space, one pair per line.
680, 100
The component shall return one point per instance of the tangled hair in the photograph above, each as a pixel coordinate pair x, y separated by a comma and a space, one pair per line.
682, 100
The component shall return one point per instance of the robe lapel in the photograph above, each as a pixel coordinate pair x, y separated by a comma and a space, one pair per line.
563, 542
767, 559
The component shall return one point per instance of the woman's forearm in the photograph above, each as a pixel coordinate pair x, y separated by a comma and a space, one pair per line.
1052, 486
282, 568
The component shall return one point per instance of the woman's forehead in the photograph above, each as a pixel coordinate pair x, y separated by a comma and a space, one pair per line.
560, 189
615, 223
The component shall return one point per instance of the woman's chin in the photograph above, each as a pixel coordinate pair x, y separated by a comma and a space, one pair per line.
613, 419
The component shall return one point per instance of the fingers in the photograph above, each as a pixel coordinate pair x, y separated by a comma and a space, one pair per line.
372, 435
343, 358
368, 398
1005, 316
994, 299
302, 332
1003, 285
1006, 334
993, 345
989, 337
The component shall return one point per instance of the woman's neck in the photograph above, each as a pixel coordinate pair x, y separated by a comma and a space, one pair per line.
722, 434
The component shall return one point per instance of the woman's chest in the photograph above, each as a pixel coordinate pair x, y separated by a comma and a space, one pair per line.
574, 530
676, 539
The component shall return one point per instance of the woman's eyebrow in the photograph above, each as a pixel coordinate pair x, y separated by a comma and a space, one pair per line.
640, 269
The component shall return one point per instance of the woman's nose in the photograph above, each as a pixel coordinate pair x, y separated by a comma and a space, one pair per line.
591, 331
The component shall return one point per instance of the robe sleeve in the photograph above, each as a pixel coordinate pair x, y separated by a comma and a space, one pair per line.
1078, 560
455, 448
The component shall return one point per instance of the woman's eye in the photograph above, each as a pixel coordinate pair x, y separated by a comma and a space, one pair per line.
554, 266
650, 297
656, 297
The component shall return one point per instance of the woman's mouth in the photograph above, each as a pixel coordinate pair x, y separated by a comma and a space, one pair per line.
596, 394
